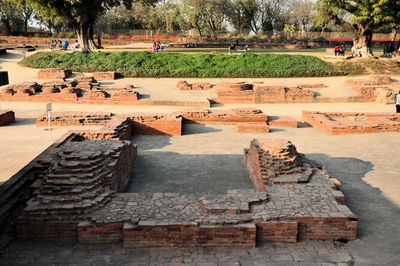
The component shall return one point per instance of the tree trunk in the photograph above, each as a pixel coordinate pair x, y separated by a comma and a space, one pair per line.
82, 33
92, 44
396, 31
362, 43
7, 25
26, 26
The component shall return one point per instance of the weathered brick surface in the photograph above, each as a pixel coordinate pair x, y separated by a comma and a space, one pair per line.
252, 128
261, 93
282, 121
233, 86
116, 126
385, 96
6, 117
277, 231
382, 79
316, 85
184, 85
353, 123
276, 161
109, 75
53, 73
78, 180
164, 234
231, 116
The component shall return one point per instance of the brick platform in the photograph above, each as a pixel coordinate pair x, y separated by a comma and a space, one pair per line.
6, 117
233, 93
353, 123
110, 75
53, 73
118, 126
83, 90
183, 85
296, 200
75, 190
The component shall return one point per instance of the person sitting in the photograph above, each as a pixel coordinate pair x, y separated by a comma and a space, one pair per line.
336, 50
160, 47
76, 45
65, 44
231, 48
342, 50
398, 51
59, 44
154, 47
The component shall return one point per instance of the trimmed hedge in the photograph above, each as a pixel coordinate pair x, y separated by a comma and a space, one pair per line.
165, 65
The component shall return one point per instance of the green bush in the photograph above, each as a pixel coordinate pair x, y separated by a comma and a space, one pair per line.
174, 65
106, 36
61, 35
255, 37
70, 35
121, 37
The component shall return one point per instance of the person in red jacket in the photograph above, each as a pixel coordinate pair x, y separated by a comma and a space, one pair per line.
336, 50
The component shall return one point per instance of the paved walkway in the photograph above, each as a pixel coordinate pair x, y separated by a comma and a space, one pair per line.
302, 253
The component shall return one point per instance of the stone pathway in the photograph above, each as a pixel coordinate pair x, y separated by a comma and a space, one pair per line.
302, 253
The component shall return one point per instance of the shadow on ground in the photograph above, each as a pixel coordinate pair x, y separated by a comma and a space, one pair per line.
378, 234
188, 173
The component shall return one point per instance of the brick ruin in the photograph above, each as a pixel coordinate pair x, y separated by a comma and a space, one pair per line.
113, 126
85, 90
380, 89
184, 85
245, 93
54, 73
6, 117
108, 75
73, 190
336, 123
75, 195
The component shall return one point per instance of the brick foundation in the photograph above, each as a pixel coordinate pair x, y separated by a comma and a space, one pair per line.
261, 93
252, 128
147, 235
6, 117
109, 75
353, 123
53, 73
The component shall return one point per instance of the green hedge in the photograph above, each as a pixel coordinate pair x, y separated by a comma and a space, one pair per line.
162, 65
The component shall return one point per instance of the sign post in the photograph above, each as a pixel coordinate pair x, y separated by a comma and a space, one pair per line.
49, 107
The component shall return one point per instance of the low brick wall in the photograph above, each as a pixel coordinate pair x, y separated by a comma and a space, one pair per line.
277, 231
54, 73
260, 93
6, 117
252, 128
353, 123
109, 75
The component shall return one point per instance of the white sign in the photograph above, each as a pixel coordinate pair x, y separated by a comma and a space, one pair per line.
49, 106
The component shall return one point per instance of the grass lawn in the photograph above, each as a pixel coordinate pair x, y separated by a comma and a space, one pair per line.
200, 65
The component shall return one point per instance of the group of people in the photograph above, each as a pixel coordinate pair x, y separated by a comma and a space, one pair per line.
340, 50
157, 47
62, 44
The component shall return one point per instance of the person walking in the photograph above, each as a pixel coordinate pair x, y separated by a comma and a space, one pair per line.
398, 102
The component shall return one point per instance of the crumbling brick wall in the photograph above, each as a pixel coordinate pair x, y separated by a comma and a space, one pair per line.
6, 117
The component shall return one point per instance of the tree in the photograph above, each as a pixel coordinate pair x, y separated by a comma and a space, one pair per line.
8, 13
269, 14
25, 10
242, 15
80, 15
365, 17
205, 15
